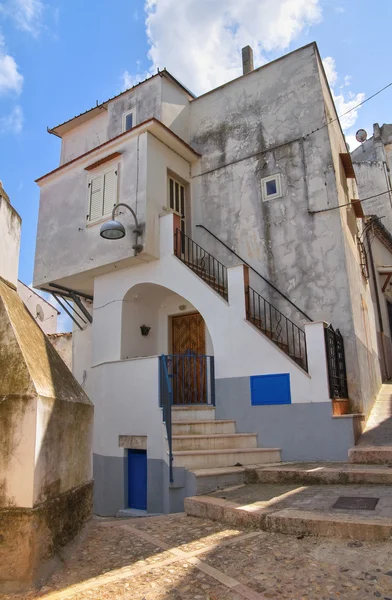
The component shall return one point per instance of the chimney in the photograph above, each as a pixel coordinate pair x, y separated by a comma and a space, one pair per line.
247, 60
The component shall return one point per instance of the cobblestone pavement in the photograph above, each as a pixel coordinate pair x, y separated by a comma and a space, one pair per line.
185, 558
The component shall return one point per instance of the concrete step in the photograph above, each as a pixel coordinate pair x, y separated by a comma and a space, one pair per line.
208, 459
214, 441
194, 412
203, 427
321, 474
209, 480
298, 511
376, 455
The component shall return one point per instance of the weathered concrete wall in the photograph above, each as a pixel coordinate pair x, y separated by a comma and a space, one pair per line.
145, 99
42, 312
175, 109
10, 223
250, 129
372, 179
83, 138
62, 342
358, 327
45, 451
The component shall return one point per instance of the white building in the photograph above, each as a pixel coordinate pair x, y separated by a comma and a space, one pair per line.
251, 173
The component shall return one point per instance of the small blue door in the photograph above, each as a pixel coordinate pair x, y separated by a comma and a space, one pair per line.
137, 479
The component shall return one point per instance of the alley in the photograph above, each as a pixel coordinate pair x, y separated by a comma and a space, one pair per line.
178, 557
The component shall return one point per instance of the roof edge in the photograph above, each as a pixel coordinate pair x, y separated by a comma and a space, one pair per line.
103, 105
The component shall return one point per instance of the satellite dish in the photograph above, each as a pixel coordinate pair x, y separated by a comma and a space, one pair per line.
40, 312
361, 136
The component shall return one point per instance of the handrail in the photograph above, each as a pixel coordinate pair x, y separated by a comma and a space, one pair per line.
166, 400
274, 324
257, 273
201, 262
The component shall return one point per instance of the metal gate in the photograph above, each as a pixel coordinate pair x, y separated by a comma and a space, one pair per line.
336, 363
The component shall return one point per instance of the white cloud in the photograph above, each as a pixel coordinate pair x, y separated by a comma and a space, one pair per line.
27, 14
13, 122
10, 78
200, 41
343, 102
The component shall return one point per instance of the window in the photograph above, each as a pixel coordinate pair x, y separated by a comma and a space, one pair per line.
102, 194
176, 199
271, 187
128, 120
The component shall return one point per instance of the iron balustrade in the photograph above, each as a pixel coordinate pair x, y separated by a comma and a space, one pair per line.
184, 379
166, 402
280, 329
336, 362
201, 262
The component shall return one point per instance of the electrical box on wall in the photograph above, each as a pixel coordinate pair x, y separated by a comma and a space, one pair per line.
270, 389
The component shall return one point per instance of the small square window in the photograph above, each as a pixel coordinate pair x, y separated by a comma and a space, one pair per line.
128, 120
271, 187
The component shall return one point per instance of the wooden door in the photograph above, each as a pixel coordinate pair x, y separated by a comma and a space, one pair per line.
189, 362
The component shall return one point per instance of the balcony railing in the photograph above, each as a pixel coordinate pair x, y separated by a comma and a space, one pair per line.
208, 268
284, 333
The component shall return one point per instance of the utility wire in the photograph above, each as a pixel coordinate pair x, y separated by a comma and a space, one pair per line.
349, 203
348, 111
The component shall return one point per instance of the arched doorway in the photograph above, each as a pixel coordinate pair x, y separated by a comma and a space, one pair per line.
157, 321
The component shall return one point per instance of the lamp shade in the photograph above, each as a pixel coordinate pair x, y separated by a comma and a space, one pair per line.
112, 230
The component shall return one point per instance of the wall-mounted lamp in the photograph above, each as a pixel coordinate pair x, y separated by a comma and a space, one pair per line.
145, 329
114, 230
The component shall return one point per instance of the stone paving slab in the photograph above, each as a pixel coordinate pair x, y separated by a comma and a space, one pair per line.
184, 558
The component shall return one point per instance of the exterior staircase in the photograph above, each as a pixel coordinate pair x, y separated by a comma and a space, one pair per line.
212, 450
288, 336
375, 444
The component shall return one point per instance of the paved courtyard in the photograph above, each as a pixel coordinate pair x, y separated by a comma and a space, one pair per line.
179, 557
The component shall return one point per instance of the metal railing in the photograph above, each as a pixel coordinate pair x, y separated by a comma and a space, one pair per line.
264, 279
282, 331
166, 402
192, 378
336, 363
208, 268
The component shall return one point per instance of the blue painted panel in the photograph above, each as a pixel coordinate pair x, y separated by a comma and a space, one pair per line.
270, 389
137, 479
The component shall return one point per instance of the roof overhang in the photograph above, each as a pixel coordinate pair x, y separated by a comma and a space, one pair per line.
108, 149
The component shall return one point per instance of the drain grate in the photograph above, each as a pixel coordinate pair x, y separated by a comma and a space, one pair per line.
356, 503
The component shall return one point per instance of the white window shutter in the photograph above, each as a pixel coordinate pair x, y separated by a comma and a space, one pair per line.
96, 198
110, 191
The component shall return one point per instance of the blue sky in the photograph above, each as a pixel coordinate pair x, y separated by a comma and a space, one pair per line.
57, 58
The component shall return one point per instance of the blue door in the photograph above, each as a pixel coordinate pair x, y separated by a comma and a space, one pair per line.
137, 479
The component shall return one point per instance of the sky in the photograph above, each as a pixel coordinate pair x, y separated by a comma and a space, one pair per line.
58, 57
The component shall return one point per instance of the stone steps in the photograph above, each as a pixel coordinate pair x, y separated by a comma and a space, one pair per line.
319, 474
297, 510
203, 427
288, 521
194, 412
215, 441
376, 455
207, 459
209, 480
